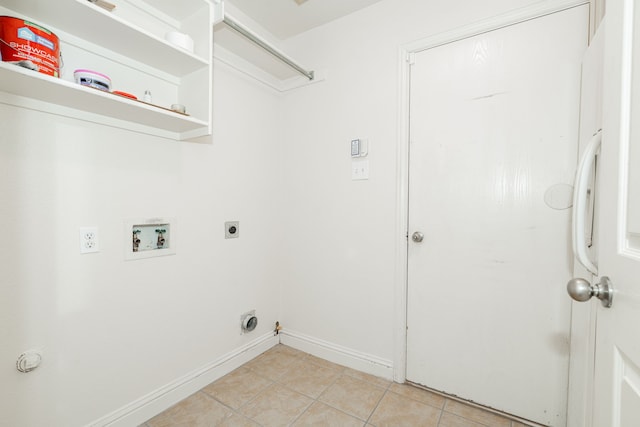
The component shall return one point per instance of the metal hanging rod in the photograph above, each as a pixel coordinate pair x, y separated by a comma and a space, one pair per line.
234, 25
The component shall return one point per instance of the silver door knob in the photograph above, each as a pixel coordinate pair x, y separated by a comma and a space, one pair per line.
417, 237
581, 290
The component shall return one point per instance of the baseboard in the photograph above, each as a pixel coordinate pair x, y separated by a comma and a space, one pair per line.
337, 354
137, 412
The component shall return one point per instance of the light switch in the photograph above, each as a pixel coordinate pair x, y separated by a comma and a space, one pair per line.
359, 170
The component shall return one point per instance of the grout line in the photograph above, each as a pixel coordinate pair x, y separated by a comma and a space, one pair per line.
342, 372
233, 411
441, 408
260, 393
440, 416
326, 389
303, 412
297, 358
376, 407
508, 417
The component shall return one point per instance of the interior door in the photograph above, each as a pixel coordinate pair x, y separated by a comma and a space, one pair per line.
493, 130
617, 382
583, 316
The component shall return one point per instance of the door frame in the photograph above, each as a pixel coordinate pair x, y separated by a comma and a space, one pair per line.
406, 55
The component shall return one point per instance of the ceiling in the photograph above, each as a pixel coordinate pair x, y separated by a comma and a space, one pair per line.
287, 18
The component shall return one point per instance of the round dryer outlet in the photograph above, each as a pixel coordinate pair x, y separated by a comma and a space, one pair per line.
249, 321
232, 229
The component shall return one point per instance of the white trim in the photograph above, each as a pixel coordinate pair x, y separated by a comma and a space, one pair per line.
582, 359
337, 354
402, 209
514, 17
597, 8
625, 126
299, 81
146, 407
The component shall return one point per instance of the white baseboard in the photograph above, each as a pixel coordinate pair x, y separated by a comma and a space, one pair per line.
337, 354
139, 411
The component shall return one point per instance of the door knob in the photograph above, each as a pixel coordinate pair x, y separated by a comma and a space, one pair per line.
581, 290
417, 237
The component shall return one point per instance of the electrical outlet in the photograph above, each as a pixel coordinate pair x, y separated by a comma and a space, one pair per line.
231, 229
89, 240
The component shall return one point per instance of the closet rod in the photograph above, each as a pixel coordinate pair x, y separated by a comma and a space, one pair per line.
266, 46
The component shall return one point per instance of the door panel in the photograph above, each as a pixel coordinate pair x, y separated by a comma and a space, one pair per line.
617, 380
494, 122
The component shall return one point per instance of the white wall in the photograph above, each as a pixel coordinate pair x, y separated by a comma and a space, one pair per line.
340, 250
113, 330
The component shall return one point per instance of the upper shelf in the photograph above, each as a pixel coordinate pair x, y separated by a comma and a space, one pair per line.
96, 25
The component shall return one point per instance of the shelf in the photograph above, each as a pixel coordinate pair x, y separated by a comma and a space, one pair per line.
98, 26
40, 87
129, 43
135, 43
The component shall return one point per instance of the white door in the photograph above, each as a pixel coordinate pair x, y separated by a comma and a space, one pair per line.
617, 383
583, 316
493, 130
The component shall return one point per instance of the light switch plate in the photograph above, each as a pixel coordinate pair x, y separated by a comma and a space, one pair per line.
359, 170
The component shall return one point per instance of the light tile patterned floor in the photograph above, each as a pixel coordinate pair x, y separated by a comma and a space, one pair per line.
286, 387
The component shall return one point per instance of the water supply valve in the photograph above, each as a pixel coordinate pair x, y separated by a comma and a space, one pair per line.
161, 240
151, 237
136, 240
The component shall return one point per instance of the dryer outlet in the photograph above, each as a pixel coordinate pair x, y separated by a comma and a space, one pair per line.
248, 322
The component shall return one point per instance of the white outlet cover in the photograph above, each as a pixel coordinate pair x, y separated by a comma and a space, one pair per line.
88, 240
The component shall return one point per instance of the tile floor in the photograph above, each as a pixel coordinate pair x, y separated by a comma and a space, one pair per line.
286, 387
